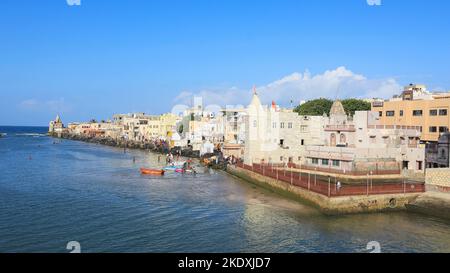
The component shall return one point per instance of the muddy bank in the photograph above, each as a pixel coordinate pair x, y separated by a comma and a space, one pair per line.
432, 203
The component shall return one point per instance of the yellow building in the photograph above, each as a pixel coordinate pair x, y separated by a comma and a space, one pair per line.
168, 123
417, 107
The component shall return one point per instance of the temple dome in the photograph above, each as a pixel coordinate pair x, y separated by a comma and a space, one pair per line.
255, 100
337, 109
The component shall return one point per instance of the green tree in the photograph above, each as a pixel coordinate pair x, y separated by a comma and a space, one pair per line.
180, 129
319, 106
314, 107
353, 105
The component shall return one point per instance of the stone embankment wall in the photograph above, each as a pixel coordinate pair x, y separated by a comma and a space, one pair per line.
330, 206
438, 179
127, 144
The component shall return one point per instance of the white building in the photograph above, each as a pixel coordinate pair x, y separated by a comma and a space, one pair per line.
275, 135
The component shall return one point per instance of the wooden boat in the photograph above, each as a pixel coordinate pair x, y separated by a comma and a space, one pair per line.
151, 171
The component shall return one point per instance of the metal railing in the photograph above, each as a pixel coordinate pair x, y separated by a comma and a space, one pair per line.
328, 185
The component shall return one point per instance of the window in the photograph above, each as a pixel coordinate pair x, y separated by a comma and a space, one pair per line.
290, 125
433, 129
281, 142
281, 158
419, 165
401, 113
417, 113
336, 163
274, 125
315, 161
390, 113
433, 112
443, 129
333, 140
442, 112
303, 142
325, 162
282, 125
381, 113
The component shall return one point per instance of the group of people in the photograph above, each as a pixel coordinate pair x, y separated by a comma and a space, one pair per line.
232, 160
170, 161
170, 157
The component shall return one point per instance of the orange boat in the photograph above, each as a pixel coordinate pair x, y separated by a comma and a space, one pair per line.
151, 171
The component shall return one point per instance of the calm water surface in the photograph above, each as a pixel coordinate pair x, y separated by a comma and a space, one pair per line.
51, 194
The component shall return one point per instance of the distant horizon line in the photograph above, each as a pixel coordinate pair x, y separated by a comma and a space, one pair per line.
23, 125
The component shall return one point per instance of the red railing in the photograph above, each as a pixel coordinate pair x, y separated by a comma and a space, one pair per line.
375, 171
328, 186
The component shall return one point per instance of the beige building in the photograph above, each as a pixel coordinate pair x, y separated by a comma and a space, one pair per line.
102, 129
275, 135
417, 107
138, 126
361, 144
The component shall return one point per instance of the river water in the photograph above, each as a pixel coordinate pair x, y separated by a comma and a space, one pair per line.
56, 191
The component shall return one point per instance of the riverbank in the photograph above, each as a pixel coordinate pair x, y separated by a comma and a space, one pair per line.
432, 203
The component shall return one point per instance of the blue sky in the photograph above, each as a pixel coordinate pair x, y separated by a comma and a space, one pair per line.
109, 56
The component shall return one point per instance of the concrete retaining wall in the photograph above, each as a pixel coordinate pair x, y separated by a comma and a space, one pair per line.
330, 206
438, 179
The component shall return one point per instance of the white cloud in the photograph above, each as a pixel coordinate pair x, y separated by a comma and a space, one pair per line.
338, 83
54, 106
29, 104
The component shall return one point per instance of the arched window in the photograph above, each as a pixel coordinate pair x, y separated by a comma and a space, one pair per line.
333, 140
343, 139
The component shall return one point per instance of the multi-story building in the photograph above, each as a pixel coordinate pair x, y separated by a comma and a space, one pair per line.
139, 126
232, 131
361, 144
198, 126
167, 126
95, 129
417, 107
274, 135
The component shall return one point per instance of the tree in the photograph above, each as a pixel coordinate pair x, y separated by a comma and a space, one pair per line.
180, 129
314, 107
319, 106
353, 105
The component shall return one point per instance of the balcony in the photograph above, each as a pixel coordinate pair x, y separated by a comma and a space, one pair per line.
341, 128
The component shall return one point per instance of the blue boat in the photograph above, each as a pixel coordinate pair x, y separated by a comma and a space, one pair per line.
171, 168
